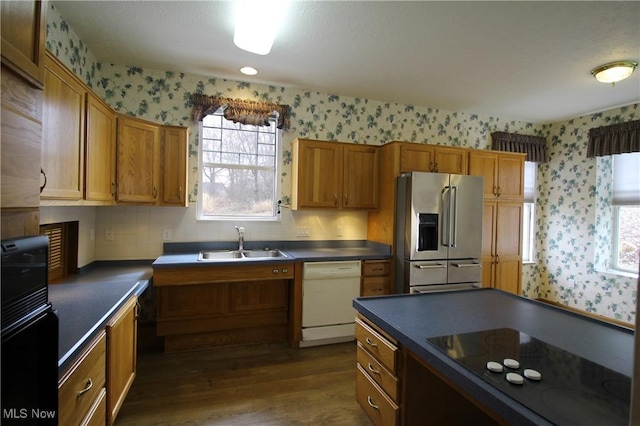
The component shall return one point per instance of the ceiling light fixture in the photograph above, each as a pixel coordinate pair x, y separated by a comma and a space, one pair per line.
248, 71
257, 23
614, 71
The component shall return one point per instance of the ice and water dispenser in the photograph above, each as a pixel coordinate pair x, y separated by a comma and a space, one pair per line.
427, 232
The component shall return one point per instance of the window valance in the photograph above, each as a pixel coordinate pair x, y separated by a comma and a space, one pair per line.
534, 146
240, 111
618, 138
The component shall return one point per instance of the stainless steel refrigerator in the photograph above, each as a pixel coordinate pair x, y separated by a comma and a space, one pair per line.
439, 232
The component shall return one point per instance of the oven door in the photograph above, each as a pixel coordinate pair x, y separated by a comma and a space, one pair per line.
30, 370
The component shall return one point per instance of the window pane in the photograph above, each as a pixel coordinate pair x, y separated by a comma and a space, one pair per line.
628, 238
528, 232
239, 192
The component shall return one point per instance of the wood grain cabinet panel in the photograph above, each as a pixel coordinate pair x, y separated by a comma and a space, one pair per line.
83, 384
432, 158
122, 340
63, 132
100, 150
334, 175
503, 173
175, 141
138, 161
23, 25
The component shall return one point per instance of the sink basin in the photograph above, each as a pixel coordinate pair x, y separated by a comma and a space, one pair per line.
225, 255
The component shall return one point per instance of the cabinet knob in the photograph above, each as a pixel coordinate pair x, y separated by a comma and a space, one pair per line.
335, 198
45, 180
346, 199
371, 343
155, 191
275, 271
285, 270
371, 404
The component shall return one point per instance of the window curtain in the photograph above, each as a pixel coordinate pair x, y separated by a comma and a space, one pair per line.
534, 146
240, 111
618, 138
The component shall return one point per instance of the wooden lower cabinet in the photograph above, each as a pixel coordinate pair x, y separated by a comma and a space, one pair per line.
377, 382
376, 278
80, 389
121, 356
222, 306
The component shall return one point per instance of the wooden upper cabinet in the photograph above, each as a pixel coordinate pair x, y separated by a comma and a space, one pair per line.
432, 158
63, 127
360, 177
138, 161
24, 27
316, 180
334, 175
503, 173
175, 141
100, 151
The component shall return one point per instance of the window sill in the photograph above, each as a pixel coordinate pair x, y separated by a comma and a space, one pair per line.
617, 272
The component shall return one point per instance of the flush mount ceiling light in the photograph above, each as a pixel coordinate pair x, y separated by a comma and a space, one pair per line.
257, 23
248, 71
614, 71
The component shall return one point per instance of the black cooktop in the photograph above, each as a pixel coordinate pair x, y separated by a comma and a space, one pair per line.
571, 390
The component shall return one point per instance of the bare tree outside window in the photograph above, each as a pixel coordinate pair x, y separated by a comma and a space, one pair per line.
239, 167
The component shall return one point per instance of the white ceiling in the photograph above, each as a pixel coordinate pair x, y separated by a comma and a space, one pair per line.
528, 61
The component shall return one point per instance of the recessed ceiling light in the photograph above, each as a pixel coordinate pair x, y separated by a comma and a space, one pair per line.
248, 71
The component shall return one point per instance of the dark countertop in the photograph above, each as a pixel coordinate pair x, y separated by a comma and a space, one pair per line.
186, 254
411, 319
85, 302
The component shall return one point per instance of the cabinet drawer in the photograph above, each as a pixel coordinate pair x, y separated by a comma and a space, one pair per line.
383, 350
375, 268
374, 286
98, 413
81, 386
380, 409
376, 371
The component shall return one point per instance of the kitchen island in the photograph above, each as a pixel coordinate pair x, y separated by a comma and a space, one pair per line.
438, 335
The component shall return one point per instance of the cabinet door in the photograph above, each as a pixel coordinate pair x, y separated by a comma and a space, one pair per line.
488, 243
100, 151
24, 26
138, 161
509, 246
511, 176
451, 160
417, 158
360, 180
121, 356
174, 166
317, 174
63, 133
485, 164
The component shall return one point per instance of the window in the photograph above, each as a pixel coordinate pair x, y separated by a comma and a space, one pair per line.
238, 170
625, 199
528, 213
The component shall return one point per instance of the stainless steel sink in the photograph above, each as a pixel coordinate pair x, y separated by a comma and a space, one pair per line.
226, 255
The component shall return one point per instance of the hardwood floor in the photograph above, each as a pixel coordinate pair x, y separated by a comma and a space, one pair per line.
267, 384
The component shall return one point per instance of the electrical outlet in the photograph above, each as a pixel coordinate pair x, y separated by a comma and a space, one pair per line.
166, 236
302, 231
108, 234
339, 230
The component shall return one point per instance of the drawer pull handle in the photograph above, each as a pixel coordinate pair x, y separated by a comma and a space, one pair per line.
373, 370
370, 343
87, 388
371, 404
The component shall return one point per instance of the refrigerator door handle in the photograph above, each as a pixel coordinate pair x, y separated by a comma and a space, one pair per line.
454, 219
446, 214
466, 265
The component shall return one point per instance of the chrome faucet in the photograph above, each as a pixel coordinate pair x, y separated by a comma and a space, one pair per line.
240, 237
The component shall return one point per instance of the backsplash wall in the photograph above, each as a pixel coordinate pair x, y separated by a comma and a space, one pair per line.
161, 96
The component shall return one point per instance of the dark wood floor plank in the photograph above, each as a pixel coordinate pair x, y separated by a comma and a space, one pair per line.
265, 385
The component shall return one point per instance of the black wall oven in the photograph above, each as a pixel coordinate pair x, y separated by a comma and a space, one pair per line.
29, 335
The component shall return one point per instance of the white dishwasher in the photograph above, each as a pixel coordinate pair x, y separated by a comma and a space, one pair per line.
328, 290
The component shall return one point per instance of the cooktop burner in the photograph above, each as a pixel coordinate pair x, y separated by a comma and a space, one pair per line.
562, 387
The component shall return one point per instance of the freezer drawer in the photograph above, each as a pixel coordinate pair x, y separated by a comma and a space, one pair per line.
464, 271
426, 272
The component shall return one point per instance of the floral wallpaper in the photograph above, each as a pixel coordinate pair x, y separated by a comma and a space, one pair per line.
567, 234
